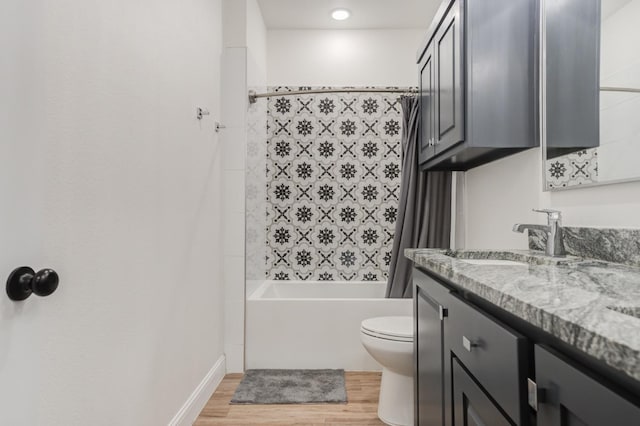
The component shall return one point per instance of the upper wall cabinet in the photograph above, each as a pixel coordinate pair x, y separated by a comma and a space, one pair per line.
478, 83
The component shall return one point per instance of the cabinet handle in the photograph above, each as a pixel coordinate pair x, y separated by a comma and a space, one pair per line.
444, 312
468, 344
535, 396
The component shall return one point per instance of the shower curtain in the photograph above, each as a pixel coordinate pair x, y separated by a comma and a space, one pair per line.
424, 210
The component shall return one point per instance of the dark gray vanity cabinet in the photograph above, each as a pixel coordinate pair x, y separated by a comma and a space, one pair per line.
473, 369
567, 396
478, 83
463, 356
472, 406
430, 313
492, 353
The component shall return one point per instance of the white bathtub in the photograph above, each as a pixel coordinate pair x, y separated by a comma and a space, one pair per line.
310, 324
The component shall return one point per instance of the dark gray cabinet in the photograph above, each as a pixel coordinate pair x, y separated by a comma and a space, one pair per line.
427, 106
430, 313
472, 369
572, 75
478, 83
494, 354
568, 396
448, 328
449, 86
472, 406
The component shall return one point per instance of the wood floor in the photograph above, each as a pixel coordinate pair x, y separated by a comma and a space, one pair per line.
362, 394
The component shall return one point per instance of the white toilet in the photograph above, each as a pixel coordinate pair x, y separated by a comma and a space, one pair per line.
389, 340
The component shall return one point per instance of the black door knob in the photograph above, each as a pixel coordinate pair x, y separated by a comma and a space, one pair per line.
23, 281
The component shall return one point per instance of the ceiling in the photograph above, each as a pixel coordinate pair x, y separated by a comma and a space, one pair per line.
315, 14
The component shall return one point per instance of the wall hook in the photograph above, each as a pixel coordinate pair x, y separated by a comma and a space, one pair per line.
200, 112
219, 126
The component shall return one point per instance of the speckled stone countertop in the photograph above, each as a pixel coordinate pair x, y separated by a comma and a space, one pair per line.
592, 305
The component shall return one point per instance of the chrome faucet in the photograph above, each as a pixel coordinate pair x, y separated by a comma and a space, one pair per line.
553, 229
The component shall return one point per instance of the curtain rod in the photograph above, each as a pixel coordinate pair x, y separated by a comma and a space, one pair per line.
620, 89
253, 96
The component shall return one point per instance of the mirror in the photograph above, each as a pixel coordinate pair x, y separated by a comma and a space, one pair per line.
590, 92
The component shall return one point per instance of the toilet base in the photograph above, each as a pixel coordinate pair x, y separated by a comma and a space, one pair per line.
395, 404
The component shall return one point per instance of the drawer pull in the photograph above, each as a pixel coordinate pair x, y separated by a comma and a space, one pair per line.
535, 396
444, 312
468, 344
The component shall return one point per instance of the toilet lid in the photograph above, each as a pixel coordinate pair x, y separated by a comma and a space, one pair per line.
395, 328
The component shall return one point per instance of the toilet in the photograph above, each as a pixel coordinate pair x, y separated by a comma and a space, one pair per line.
389, 340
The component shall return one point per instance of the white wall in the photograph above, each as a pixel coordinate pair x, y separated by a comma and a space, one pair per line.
502, 193
257, 45
620, 67
123, 191
343, 57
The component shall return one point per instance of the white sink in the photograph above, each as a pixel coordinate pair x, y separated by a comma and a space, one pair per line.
493, 262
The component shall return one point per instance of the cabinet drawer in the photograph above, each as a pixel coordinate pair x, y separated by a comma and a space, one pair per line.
493, 354
573, 396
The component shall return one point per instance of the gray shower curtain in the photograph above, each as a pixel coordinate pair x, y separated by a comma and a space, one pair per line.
424, 210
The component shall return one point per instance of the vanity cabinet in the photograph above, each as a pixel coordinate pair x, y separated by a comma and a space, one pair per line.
472, 406
478, 83
430, 313
494, 354
568, 396
473, 369
463, 356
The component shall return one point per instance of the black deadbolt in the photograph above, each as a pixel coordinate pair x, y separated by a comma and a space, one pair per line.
23, 281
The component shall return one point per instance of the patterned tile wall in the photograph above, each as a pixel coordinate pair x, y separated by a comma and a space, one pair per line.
333, 177
577, 168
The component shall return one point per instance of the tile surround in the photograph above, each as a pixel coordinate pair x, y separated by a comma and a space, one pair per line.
577, 168
256, 190
333, 178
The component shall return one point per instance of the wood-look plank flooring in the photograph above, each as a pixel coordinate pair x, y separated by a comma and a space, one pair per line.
361, 409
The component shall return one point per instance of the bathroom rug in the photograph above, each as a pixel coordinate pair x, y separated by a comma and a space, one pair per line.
262, 386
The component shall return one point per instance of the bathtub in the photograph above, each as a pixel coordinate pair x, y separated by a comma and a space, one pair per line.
310, 324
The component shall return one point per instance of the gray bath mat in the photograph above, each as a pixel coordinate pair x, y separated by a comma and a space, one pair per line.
291, 387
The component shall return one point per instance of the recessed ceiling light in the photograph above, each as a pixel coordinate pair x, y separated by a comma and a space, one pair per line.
340, 14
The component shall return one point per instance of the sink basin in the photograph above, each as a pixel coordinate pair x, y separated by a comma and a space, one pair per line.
494, 262
633, 311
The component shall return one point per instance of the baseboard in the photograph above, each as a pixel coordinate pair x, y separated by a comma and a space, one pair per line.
188, 413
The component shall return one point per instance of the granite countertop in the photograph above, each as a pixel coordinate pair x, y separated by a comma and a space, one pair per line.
592, 305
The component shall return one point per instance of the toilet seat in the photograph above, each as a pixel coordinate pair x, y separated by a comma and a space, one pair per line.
399, 329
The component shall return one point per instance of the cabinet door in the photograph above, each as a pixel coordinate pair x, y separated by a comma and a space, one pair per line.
570, 397
572, 75
448, 47
427, 104
494, 355
472, 406
429, 361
